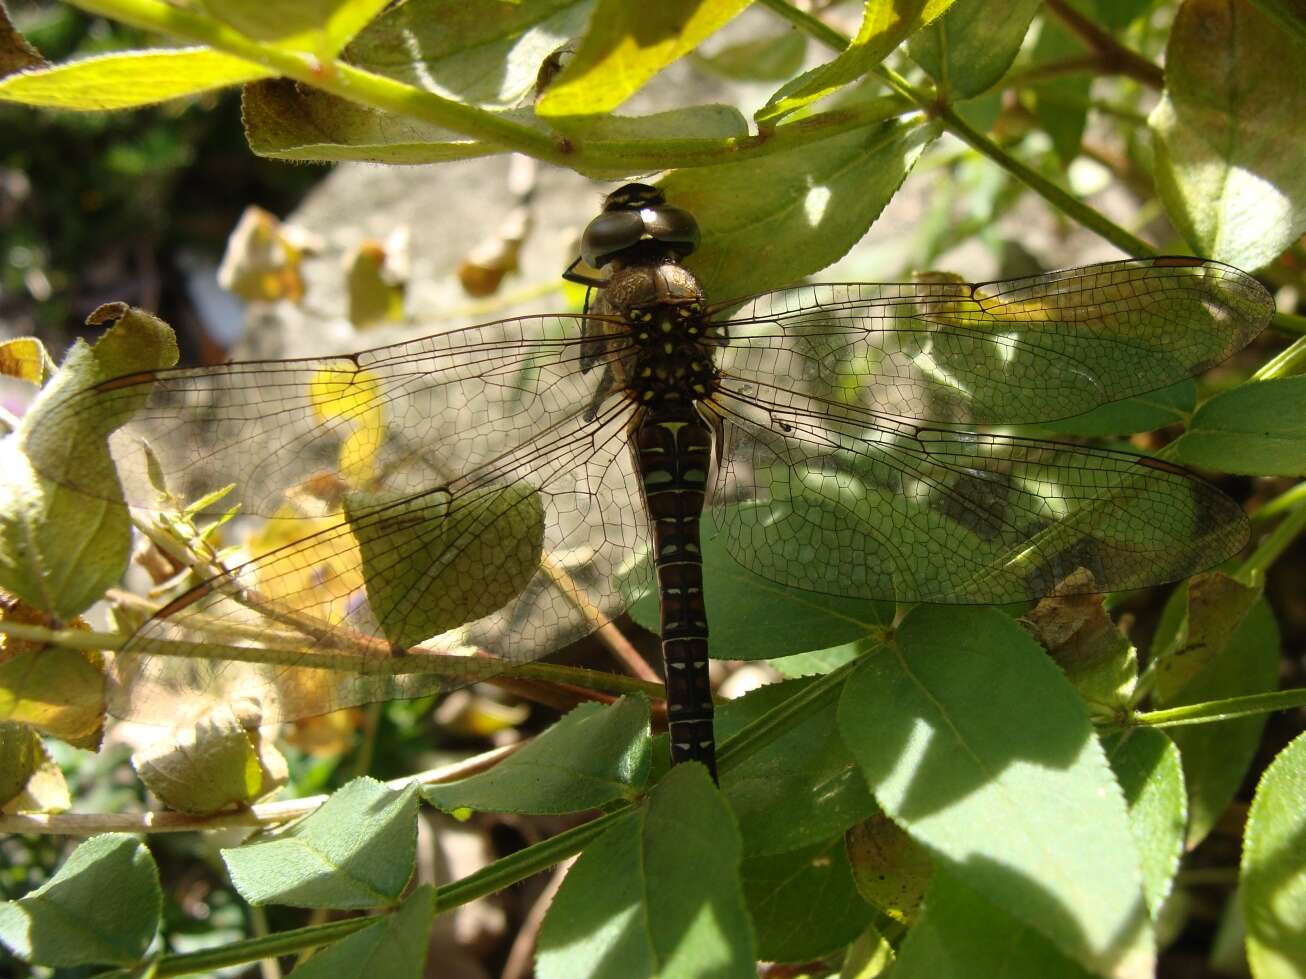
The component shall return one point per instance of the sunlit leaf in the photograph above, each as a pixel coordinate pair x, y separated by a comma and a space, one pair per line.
321, 27
356, 851
885, 25
1227, 164
625, 46
60, 549
128, 79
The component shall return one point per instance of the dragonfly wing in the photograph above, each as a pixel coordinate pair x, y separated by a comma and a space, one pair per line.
405, 594
400, 416
1019, 351
842, 501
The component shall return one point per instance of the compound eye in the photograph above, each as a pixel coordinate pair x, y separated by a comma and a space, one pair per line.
609, 233
674, 225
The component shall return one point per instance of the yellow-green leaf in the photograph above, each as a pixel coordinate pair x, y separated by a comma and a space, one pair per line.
128, 79
626, 45
26, 359
321, 27
885, 25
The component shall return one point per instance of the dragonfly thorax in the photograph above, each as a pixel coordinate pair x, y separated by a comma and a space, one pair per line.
671, 354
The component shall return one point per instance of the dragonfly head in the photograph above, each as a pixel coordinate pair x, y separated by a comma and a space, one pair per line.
637, 221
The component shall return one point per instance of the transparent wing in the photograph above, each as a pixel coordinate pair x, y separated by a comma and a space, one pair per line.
395, 416
480, 508
842, 501
1013, 352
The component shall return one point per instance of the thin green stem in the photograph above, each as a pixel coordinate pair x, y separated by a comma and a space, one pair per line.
268, 947
1286, 363
1222, 710
1272, 546
1281, 504
1118, 58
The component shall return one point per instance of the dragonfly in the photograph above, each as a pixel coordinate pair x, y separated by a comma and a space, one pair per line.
442, 509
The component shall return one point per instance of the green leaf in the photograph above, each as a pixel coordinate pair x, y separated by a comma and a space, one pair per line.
59, 692
319, 27
759, 619
16, 54
394, 947
657, 894
593, 756
885, 25
356, 851
1216, 756
1227, 161
60, 549
128, 79
625, 46
481, 52
970, 48
1150, 771
1257, 429
774, 219
285, 121
801, 788
803, 903
418, 583
213, 765
1142, 413
976, 745
101, 907
1273, 888
962, 936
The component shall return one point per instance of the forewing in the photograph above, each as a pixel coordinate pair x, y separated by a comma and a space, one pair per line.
398, 416
845, 502
1013, 352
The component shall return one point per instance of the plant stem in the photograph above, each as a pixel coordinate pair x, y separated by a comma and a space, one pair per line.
1117, 57
1287, 362
416, 660
1271, 547
1222, 710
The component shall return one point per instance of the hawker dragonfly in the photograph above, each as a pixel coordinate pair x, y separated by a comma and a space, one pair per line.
478, 498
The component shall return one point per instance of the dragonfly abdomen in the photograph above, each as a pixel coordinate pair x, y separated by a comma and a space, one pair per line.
672, 447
